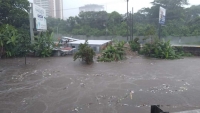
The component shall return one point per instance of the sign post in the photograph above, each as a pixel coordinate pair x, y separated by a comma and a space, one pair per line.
31, 22
162, 15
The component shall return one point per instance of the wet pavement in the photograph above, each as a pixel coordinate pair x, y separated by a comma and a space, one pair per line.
60, 85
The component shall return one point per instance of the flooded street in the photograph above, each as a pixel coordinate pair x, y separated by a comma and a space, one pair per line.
60, 85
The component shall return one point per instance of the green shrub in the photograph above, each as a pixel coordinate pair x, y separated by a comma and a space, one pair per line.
114, 52
43, 44
8, 41
135, 45
85, 52
13, 42
160, 49
180, 52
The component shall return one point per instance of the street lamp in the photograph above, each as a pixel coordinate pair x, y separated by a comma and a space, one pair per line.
127, 19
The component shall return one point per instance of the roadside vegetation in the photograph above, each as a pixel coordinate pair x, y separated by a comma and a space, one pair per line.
160, 49
135, 45
180, 21
85, 53
43, 45
113, 52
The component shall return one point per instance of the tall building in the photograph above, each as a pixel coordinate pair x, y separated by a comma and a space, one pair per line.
91, 7
54, 8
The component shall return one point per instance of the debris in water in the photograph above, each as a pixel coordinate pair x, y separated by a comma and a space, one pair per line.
140, 90
125, 104
187, 84
131, 94
170, 91
76, 109
82, 84
137, 106
65, 88
183, 88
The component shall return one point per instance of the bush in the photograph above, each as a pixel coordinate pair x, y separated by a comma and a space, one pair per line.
160, 49
113, 53
8, 41
135, 45
43, 44
85, 52
180, 52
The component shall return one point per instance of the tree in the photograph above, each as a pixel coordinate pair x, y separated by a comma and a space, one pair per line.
180, 21
14, 12
170, 3
57, 24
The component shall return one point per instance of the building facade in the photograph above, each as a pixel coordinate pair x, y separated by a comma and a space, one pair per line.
54, 8
91, 7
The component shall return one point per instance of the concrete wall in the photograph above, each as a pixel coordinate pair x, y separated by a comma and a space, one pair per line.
96, 48
174, 40
194, 50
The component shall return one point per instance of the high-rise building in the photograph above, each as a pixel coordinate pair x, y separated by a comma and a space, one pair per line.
91, 7
54, 8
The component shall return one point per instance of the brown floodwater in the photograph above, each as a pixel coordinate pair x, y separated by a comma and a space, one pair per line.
60, 85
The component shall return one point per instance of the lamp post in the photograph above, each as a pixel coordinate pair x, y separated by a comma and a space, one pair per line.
127, 19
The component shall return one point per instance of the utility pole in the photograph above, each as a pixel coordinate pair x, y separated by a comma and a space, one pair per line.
159, 32
132, 23
127, 19
31, 30
130, 26
57, 30
31, 22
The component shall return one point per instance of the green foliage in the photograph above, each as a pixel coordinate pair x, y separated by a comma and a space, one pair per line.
8, 41
160, 49
43, 44
57, 25
85, 52
145, 21
114, 52
135, 45
180, 21
14, 22
15, 13
180, 52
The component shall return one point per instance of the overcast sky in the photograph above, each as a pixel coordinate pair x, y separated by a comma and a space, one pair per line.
71, 6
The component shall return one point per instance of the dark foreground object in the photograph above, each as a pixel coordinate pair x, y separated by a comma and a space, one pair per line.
156, 109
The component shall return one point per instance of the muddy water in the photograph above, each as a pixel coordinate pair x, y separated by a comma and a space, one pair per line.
60, 85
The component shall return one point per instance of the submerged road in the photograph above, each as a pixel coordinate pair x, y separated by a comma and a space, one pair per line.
60, 85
